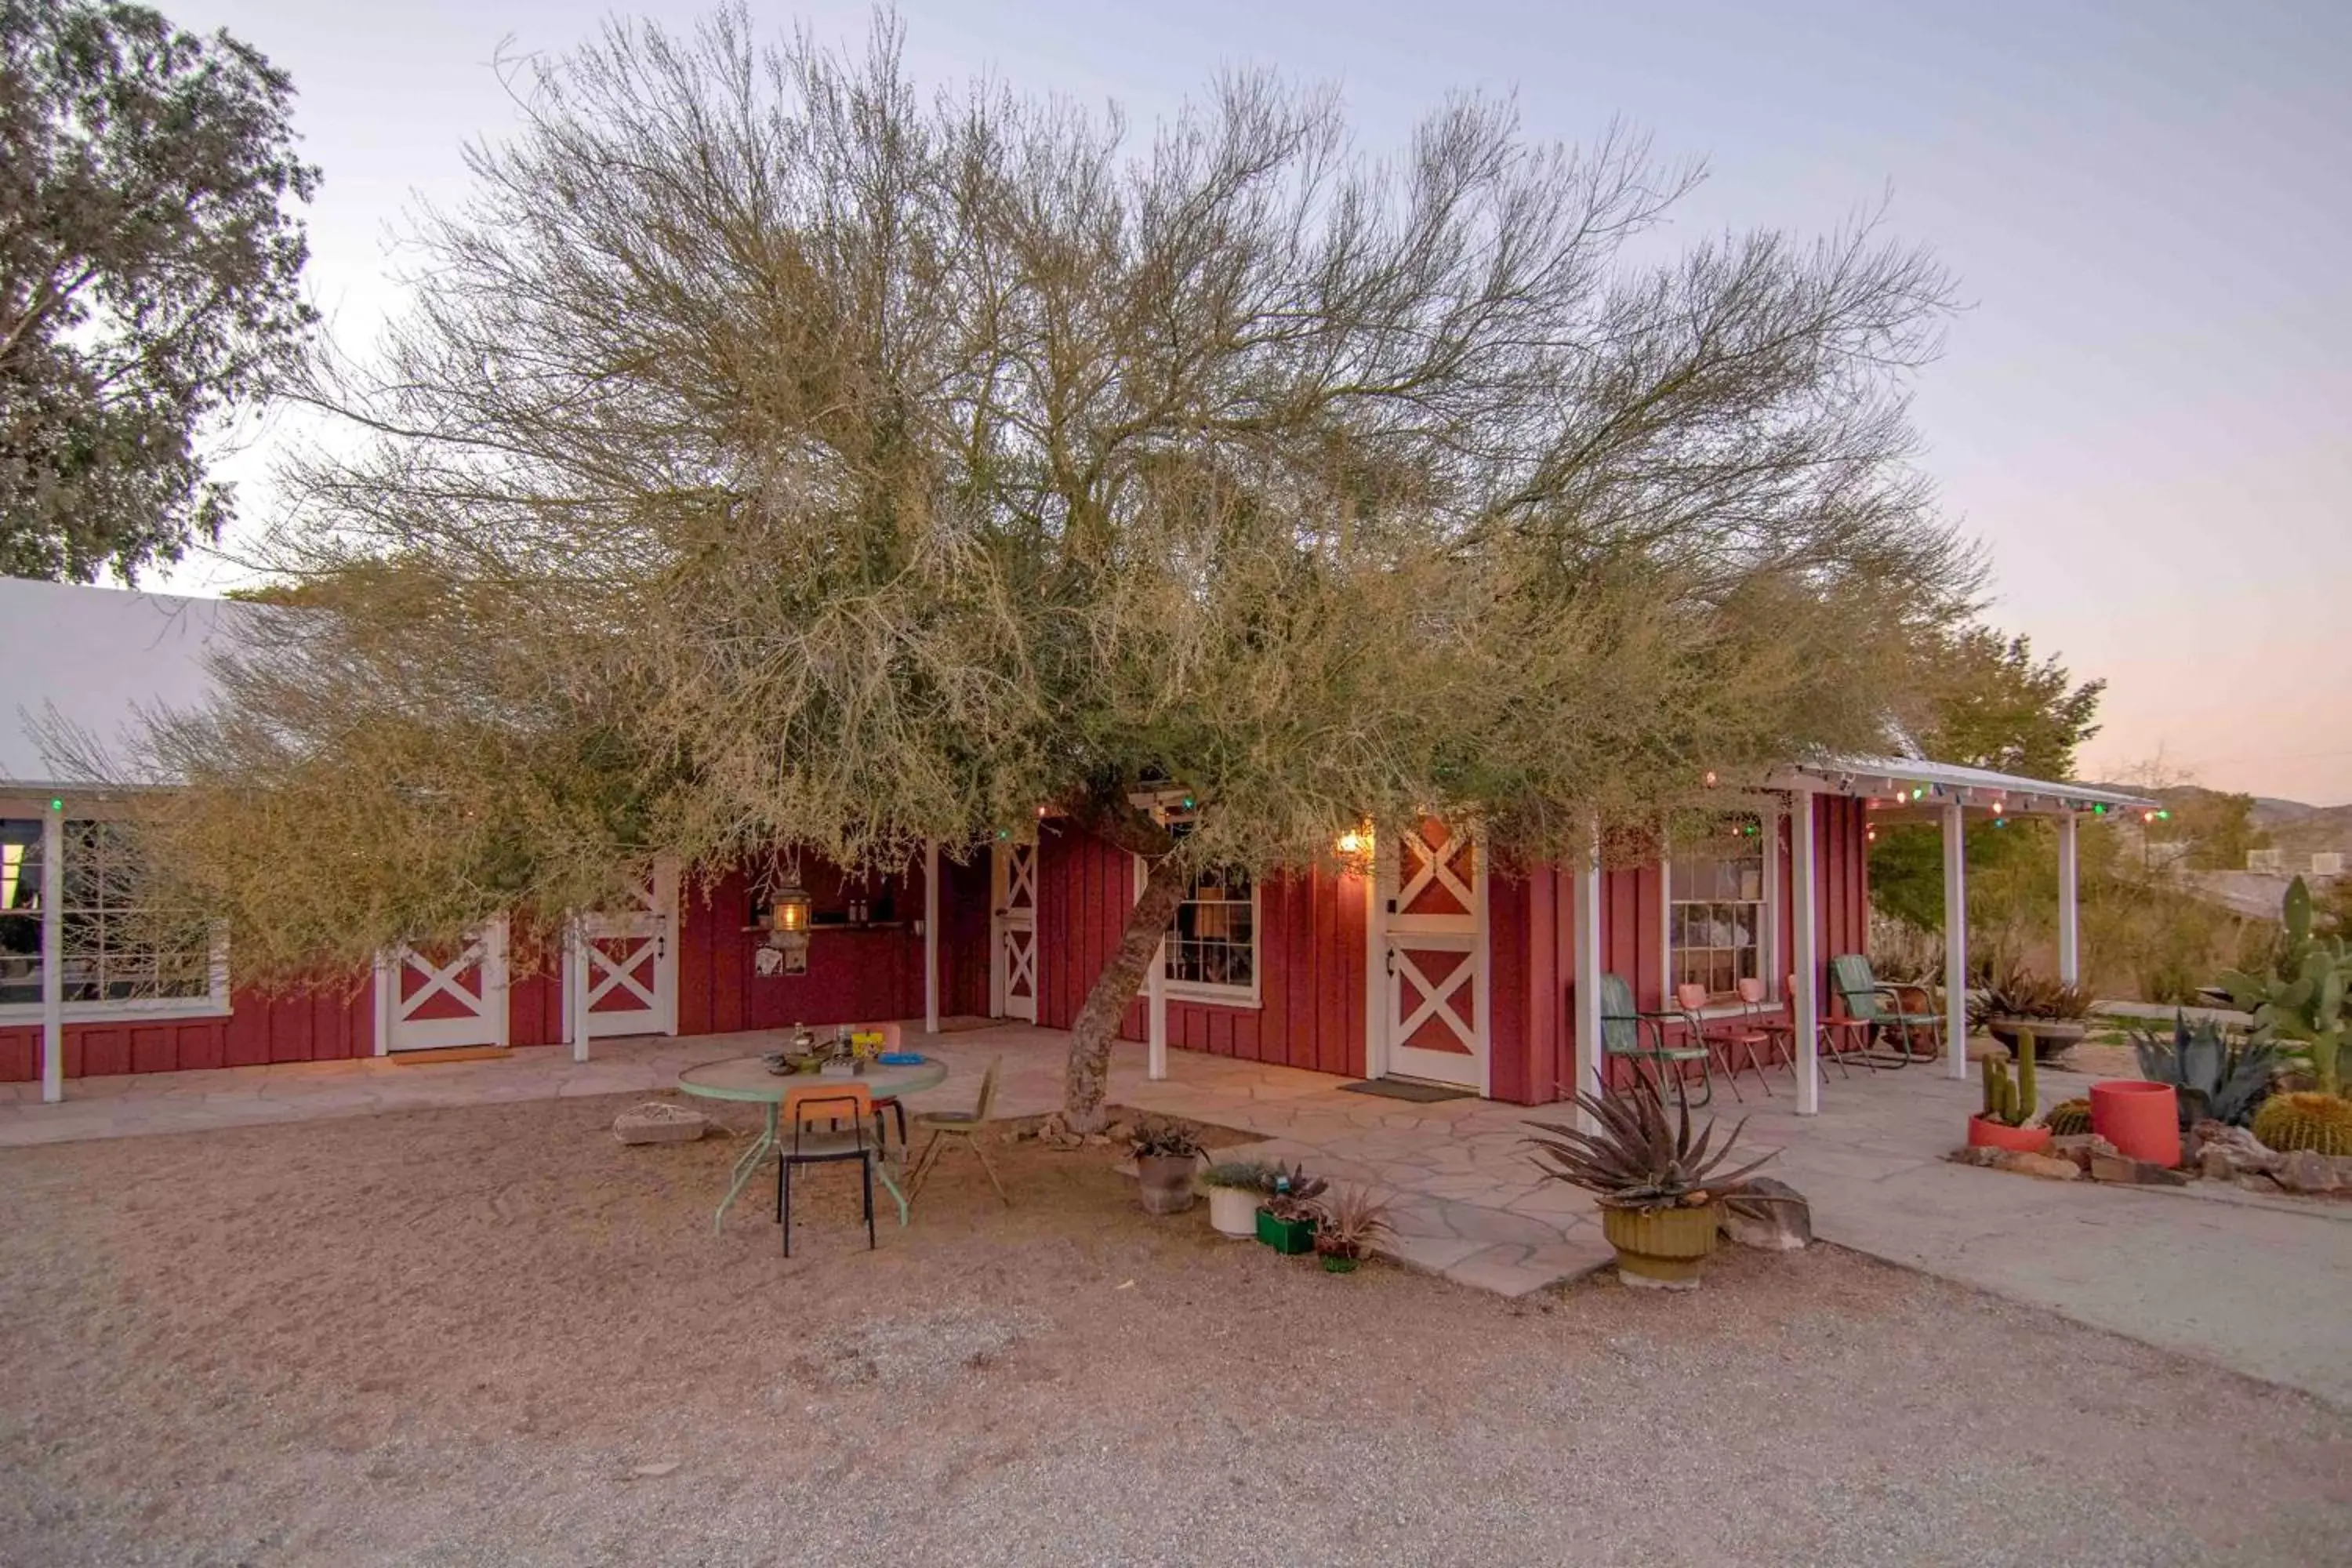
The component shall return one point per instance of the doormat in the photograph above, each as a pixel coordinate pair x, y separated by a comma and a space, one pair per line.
1400, 1089
450, 1054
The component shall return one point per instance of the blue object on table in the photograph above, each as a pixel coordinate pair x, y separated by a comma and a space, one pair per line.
900, 1059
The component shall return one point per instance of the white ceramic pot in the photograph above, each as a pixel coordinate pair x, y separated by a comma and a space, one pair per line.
1233, 1211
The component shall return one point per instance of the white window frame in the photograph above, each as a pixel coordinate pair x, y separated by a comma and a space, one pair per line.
1217, 995
214, 1003
1767, 815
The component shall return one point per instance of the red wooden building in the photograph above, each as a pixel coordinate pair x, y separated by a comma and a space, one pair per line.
1421, 961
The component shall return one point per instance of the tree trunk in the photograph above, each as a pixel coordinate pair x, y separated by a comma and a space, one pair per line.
1099, 1020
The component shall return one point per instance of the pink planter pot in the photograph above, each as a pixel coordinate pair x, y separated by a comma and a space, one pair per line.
1983, 1134
2141, 1120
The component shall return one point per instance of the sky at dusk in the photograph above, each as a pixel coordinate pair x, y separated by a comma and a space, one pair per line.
2143, 414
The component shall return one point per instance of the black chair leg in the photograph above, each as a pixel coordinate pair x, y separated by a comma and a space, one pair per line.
865, 1169
784, 1200
898, 1113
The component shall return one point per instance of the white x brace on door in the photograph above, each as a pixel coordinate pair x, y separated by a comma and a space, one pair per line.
1429, 914
428, 1002
1012, 926
632, 957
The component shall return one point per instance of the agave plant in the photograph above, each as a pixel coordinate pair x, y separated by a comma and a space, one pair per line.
2218, 1079
2016, 992
1638, 1157
1168, 1140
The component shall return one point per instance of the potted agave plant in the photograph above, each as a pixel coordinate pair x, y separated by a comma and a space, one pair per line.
2020, 1002
1286, 1221
1166, 1156
1660, 1182
1352, 1221
2009, 1106
1235, 1188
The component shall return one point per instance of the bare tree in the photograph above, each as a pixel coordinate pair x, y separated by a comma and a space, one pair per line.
780, 461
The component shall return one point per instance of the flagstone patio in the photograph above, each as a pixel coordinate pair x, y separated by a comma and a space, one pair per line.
2254, 1284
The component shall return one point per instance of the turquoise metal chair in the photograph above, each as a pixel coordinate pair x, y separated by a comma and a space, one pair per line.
1624, 1028
1880, 1009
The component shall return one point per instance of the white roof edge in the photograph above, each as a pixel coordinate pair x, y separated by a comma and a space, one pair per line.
1853, 772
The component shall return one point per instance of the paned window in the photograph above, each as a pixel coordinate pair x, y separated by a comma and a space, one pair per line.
1212, 941
1718, 910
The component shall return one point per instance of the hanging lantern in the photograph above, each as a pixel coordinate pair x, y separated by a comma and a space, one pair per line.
791, 914
1356, 842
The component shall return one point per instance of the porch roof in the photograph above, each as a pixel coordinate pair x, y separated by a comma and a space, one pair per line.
1895, 782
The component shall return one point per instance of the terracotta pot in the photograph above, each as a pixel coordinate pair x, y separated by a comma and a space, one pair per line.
1987, 1134
1661, 1247
2141, 1120
1233, 1211
1165, 1182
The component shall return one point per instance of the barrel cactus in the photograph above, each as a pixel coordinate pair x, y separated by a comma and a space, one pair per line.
2316, 1121
2069, 1117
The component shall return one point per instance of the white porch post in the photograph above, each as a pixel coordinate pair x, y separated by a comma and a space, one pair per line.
1155, 989
1804, 946
931, 937
1956, 942
52, 954
2070, 949
576, 985
1587, 913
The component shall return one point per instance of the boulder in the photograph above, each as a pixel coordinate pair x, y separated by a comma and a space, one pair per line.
2309, 1172
2049, 1167
1770, 1214
658, 1122
2123, 1170
2230, 1150
2079, 1147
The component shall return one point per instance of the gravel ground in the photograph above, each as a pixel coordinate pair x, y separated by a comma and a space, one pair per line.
494, 1336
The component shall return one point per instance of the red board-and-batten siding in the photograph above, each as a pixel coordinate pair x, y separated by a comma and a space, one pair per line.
1312, 971
1310, 1011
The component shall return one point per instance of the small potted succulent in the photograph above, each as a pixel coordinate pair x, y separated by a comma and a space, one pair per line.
1235, 1188
1661, 1185
1167, 1155
2009, 1106
1352, 1221
2018, 1001
1287, 1219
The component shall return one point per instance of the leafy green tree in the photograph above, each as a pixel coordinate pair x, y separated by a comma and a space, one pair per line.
1985, 701
147, 276
780, 460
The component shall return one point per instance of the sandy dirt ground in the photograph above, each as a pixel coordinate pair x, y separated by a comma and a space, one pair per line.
494, 1335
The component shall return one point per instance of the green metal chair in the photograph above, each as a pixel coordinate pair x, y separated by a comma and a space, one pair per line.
1623, 1027
958, 1126
1880, 1009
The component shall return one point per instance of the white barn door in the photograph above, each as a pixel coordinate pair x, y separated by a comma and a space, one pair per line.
632, 958
1013, 931
1430, 988
427, 1002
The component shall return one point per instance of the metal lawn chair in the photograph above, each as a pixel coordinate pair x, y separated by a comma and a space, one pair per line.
958, 1126
1624, 1028
1881, 1008
832, 1103
1744, 1034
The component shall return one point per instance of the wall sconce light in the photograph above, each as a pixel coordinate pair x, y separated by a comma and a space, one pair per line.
1355, 842
1709, 780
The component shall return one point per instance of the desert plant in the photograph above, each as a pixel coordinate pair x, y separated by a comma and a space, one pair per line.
2218, 1080
1242, 1175
2069, 1117
2008, 1101
2016, 992
1353, 1219
2298, 1004
2322, 1123
1162, 1139
1636, 1157
1292, 1194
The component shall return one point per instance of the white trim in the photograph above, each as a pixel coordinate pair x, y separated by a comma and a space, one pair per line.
1243, 998
576, 1004
1768, 946
1155, 993
1466, 934
2070, 916
1587, 909
655, 919
1805, 961
52, 954
154, 1009
1880, 775
1956, 942
1000, 924
1376, 992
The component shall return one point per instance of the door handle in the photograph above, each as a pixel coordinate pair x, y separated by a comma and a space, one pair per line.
1388, 959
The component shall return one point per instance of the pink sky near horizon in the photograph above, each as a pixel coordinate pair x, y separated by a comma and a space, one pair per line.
2142, 415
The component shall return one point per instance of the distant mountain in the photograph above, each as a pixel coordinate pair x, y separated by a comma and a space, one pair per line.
2297, 830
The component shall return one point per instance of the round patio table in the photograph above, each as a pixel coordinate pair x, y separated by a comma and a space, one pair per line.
747, 1078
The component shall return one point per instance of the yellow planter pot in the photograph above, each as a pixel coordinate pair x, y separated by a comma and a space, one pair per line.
1660, 1247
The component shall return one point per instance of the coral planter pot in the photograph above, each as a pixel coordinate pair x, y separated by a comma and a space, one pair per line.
2141, 1120
1983, 1134
1660, 1247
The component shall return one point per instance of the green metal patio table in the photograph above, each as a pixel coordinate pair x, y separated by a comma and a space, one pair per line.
747, 1080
